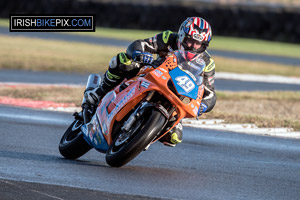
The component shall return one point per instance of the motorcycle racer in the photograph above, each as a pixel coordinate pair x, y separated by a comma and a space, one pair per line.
194, 36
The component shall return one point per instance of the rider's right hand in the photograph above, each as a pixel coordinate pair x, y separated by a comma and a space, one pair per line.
142, 56
202, 109
91, 96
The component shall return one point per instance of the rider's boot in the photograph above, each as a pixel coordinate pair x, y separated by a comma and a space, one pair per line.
108, 82
173, 137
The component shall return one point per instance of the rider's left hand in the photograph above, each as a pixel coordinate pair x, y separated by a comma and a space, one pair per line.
142, 56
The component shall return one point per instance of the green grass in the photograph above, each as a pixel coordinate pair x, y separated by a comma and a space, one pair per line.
290, 96
265, 109
51, 55
254, 67
256, 46
219, 43
4, 22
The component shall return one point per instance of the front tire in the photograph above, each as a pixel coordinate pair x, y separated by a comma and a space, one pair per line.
119, 154
72, 144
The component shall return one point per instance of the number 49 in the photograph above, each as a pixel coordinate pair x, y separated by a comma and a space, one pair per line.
185, 83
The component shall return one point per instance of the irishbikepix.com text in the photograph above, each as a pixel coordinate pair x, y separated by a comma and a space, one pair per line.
38, 23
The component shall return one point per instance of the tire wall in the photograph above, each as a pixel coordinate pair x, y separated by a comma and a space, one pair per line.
270, 23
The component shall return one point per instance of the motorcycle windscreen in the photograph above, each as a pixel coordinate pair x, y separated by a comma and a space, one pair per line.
184, 83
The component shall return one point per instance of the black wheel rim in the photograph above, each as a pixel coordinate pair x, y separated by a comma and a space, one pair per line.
125, 137
73, 132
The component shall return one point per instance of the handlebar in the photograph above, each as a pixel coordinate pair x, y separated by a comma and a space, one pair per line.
145, 64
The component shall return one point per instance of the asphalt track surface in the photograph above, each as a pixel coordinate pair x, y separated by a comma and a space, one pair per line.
68, 78
207, 165
125, 43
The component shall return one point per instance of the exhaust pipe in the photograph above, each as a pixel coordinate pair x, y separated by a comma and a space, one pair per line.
94, 81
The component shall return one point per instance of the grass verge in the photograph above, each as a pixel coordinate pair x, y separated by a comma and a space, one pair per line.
220, 43
52, 55
245, 45
265, 109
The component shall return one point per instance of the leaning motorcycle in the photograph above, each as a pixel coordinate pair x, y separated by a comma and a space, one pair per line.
139, 111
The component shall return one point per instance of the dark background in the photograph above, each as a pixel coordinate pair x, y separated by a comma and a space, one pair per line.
276, 23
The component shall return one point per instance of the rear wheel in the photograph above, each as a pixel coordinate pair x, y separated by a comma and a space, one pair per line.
127, 145
72, 144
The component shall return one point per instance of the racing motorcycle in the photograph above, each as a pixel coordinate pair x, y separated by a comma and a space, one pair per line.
139, 111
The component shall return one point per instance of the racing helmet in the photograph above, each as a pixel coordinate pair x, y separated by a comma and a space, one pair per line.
194, 35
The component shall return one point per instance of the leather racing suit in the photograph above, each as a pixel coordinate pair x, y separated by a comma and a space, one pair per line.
121, 66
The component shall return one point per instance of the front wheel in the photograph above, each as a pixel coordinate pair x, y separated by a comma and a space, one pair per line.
126, 146
72, 144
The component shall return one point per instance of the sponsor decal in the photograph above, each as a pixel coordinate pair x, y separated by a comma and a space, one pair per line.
93, 128
95, 141
198, 37
158, 73
145, 84
98, 138
200, 61
90, 131
121, 103
195, 110
104, 127
162, 69
200, 93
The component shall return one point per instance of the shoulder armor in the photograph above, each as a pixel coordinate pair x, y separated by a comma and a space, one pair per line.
166, 35
210, 64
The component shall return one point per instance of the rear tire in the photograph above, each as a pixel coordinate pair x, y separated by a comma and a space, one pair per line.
72, 144
119, 155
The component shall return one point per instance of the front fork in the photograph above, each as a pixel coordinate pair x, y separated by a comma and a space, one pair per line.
135, 116
140, 111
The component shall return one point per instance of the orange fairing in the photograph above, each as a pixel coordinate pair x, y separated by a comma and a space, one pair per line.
159, 78
118, 103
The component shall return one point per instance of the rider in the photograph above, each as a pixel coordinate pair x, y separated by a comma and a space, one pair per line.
194, 35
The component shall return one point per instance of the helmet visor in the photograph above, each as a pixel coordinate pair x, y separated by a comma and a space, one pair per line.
191, 44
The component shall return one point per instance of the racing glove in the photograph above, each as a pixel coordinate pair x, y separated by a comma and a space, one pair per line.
202, 109
142, 56
92, 97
